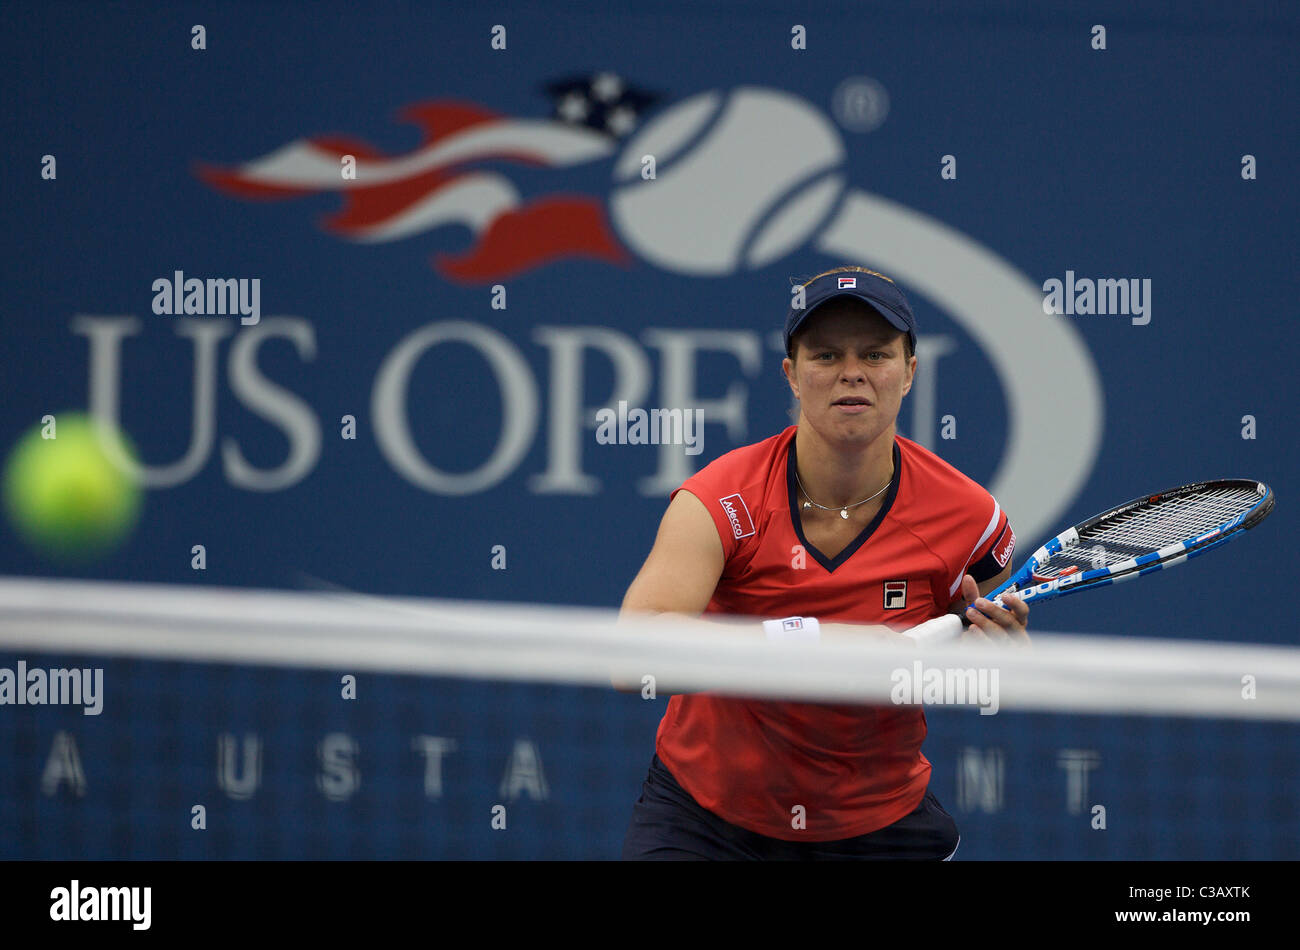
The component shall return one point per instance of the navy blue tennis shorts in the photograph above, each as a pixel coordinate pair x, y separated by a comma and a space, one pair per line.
668, 825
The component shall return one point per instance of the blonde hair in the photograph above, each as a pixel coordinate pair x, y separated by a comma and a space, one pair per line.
856, 269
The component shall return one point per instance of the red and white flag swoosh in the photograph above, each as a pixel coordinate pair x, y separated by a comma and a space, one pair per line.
393, 197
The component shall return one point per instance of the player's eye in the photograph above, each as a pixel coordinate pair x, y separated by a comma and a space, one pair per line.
824, 356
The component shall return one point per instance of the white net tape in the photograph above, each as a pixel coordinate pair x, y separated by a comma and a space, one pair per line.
587, 646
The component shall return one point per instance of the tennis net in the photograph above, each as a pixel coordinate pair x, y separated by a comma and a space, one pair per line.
210, 723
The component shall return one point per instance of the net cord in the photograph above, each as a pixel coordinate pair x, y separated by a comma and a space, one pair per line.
595, 647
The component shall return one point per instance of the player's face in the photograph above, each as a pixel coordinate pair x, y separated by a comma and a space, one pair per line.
850, 372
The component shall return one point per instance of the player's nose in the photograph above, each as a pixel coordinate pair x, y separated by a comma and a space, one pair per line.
854, 369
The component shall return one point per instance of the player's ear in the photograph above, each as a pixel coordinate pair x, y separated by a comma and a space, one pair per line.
787, 366
911, 373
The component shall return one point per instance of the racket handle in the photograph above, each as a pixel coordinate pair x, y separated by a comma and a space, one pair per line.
965, 621
939, 630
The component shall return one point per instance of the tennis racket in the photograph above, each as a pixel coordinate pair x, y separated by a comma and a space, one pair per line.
1141, 537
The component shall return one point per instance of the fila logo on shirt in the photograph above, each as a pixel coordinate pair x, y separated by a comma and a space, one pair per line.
895, 595
848, 283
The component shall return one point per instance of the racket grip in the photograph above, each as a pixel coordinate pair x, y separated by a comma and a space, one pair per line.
939, 630
965, 621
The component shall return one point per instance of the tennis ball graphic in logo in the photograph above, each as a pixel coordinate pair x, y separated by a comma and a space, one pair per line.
741, 179
65, 495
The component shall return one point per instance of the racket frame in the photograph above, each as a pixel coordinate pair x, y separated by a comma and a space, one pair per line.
1029, 585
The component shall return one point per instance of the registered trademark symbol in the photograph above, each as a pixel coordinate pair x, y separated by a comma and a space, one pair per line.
860, 104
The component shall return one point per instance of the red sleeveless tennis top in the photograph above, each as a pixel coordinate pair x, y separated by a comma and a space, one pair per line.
853, 768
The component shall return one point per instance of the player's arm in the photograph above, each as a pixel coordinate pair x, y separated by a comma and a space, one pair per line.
684, 565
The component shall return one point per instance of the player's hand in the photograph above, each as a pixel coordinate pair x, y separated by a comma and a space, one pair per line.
990, 623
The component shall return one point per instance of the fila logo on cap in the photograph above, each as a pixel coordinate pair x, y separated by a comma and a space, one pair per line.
848, 283
895, 595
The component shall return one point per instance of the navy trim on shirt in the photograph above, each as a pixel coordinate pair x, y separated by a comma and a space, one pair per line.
987, 567
861, 539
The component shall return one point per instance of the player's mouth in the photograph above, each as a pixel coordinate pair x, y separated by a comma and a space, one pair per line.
852, 405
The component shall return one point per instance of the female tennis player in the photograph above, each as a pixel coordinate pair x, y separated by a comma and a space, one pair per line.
837, 520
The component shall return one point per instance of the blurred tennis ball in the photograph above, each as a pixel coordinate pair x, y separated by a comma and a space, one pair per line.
64, 495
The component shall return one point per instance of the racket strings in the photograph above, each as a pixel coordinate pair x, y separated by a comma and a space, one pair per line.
1151, 527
